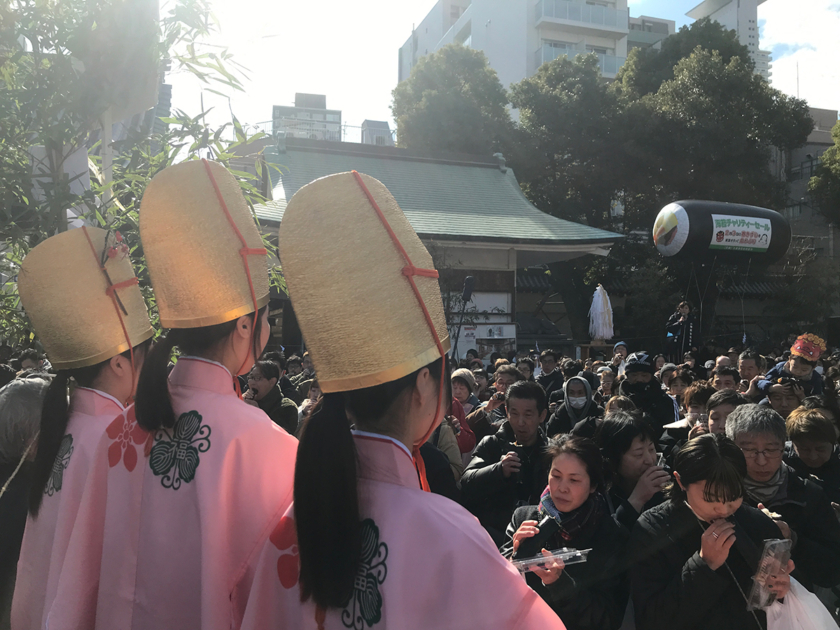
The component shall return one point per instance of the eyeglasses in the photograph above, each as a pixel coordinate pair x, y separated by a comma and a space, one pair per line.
255, 377
769, 453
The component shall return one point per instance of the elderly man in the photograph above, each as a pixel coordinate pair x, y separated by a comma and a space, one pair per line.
805, 513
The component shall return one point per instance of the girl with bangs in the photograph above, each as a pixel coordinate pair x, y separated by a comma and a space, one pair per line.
695, 555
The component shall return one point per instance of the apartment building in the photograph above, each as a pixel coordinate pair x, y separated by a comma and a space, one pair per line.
740, 16
518, 36
309, 118
648, 32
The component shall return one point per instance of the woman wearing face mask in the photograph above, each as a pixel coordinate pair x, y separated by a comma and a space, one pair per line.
578, 413
695, 555
592, 594
626, 442
363, 545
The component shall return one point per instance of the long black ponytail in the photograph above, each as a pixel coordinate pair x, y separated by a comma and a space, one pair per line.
55, 415
153, 404
327, 511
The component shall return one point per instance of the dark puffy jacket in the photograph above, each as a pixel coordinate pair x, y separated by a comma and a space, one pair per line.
590, 595
808, 512
561, 421
658, 407
551, 382
826, 476
439, 472
490, 496
673, 587
623, 511
281, 410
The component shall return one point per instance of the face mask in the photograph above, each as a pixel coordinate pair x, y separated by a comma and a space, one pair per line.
577, 403
638, 388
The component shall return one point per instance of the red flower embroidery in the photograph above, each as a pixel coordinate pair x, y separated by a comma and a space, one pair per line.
284, 537
125, 433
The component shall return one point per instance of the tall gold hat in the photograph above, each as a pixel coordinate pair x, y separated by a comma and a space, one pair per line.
351, 274
68, 297
202, 247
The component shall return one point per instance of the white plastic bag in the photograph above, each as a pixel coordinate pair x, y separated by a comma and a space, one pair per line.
801, 610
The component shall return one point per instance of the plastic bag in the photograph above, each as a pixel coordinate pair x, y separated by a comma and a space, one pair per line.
800, 610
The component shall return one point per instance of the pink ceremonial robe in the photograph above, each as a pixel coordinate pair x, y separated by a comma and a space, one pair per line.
426, 563
175, 520
46, 538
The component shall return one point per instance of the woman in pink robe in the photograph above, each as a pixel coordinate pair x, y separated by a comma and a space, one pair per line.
189, 482
365, 544
65, 293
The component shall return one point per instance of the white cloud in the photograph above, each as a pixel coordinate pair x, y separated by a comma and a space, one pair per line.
805, 33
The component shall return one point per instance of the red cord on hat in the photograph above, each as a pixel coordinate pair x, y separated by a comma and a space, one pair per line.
111, 292
244, 252
409, 271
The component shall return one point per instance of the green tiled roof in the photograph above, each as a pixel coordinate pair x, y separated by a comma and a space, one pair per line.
447, 197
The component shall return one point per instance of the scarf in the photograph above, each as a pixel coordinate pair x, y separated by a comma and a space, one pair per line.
571, 523
766, 491
577, 415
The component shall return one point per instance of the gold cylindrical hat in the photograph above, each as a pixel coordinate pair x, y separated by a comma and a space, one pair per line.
361, 320
65, 293
193, 249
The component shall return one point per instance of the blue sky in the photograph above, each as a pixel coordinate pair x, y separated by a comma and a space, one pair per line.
349, 51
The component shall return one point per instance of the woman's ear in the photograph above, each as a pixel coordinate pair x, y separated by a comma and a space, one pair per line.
679, 481
243, 326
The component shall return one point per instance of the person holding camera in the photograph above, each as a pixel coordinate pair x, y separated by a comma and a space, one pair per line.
683, 332
798, 373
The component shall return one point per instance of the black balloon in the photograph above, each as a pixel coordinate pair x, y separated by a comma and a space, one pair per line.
731, 233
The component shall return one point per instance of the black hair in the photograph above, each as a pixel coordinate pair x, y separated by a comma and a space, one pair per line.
726, 370
527, 390
681, 374
726, 397
481, 372
276, 357
681, 304
153, 403
32, 354
616, 434
294, 359
570, 368
510, 370
326, 495
527, 362
473, 352
55, 414
268, 369
548, 353
584, 449
712, 458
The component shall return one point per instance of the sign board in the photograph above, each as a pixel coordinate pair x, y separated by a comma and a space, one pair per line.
740, 234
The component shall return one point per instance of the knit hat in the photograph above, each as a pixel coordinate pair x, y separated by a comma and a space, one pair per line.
465, 375
81, 295
668, 367
204, 252
639, 362
620, 343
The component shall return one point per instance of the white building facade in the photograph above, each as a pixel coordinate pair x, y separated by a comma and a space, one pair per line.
740, 16
518, 36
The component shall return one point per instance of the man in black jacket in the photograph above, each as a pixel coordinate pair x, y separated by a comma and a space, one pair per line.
551, 377
646, 393
507, 469
264, 392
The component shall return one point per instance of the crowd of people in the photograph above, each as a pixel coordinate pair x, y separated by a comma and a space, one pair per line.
202, 482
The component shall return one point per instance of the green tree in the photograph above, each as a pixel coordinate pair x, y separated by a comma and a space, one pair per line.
60, 71
567, 162
825, 185
646, 69
452, 101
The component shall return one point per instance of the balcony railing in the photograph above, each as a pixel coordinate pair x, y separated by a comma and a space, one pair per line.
609, 64
593, 14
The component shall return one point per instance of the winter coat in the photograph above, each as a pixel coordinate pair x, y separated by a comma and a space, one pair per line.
623, 511
566, 417
492, 497
591, 595
813, 387
484, 424
826, 476
658, 407
685, 335
282, 410
673, 587
808, 512
466, 438
551, 382
560, 422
